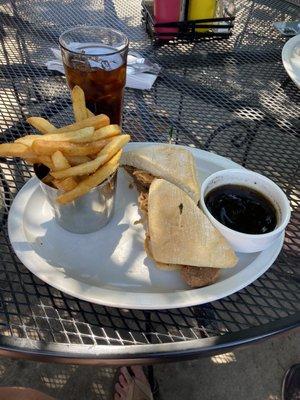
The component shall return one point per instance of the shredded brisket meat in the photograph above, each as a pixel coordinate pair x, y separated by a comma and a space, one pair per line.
142, 181
143, 202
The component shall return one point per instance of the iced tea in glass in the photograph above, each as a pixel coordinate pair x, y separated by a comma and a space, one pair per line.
95, 59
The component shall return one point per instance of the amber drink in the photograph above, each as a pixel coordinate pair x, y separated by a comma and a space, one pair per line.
95, 59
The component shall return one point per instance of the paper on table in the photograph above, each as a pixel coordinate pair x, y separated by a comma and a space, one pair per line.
140, 74
288, 28
143, 81
54, 65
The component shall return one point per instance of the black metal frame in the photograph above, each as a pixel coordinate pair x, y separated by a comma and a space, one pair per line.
130, 355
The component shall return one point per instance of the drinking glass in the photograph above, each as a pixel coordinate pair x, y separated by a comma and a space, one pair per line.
95, 59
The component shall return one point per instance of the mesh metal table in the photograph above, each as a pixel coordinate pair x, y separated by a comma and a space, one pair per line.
231, 97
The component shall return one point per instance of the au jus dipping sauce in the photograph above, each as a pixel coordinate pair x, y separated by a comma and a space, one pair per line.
242, 209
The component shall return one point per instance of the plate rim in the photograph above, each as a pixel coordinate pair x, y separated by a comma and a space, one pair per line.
146, 300
285, 55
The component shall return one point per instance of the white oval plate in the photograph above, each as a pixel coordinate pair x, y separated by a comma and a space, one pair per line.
291, 58
110, 266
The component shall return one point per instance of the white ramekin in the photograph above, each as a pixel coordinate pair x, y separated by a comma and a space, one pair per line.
243, 242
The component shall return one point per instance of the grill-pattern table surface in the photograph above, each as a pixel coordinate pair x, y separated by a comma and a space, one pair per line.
230, 97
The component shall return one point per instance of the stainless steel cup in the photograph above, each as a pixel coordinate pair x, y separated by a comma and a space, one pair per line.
86, 214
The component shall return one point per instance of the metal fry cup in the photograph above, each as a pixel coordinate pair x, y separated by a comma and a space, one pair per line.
88, 213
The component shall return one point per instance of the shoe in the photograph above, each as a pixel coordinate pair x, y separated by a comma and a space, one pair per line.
291, 383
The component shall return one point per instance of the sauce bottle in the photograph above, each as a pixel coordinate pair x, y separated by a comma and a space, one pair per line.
167, 11
201, 9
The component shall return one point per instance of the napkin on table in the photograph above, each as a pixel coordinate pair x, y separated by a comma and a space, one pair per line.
140, 73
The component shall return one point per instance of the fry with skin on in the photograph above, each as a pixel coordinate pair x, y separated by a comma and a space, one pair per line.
65, 185
78, 102
98, 121
59, 161
84, 135
41, 124
68, 149
77, 160
91, 181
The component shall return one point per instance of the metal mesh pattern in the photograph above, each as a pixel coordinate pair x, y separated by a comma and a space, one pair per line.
231, 97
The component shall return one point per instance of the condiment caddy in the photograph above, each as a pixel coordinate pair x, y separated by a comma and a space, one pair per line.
188, 20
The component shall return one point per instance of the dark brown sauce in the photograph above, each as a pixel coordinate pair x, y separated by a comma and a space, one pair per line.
242, 209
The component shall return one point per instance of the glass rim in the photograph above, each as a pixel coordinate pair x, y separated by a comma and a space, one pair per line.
93, 27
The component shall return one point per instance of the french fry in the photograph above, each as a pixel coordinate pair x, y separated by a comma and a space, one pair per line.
98, 121
92, 181
77, 160
41, 124
15, 150
59, 161
113, 146
78, 101
103, 133
31, 160
81, 178
104, 155
46, 160
84, 135
29, 139
65, 185
82, 169
106, 132
72, 160
89, 113
68, 149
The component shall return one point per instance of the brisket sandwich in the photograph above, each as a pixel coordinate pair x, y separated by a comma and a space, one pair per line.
173, 221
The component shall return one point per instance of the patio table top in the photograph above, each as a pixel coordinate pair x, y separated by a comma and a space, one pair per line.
231, 97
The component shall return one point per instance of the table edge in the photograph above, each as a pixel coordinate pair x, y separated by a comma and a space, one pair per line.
144, 353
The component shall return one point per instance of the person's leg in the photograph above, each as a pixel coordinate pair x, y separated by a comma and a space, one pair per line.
21, 393
133, 386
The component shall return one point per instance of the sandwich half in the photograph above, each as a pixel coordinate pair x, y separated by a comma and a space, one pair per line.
160, 201
180, 236
173, 163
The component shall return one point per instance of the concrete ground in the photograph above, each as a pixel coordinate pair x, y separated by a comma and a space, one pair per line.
253, 373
